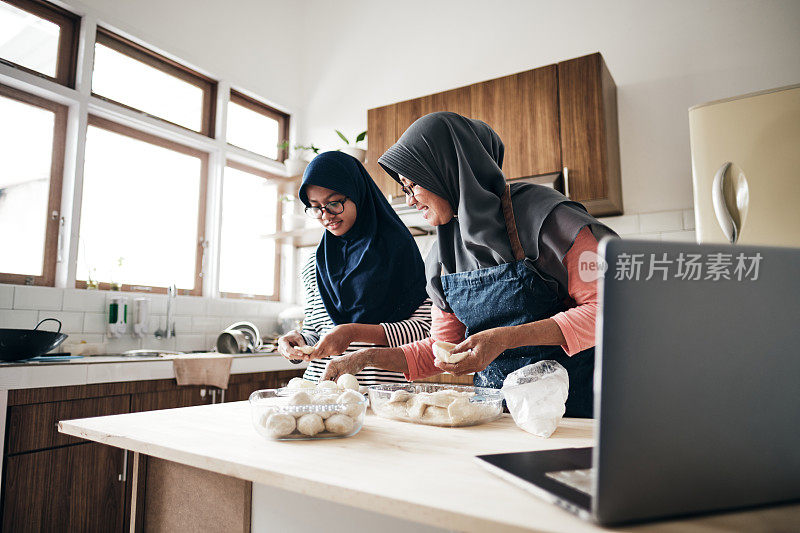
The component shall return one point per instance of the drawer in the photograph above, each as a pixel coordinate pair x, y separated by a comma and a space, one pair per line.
33, 426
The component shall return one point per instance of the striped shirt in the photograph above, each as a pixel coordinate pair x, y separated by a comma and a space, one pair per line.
317, 323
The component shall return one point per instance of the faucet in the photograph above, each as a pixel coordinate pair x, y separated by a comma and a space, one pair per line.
169, 327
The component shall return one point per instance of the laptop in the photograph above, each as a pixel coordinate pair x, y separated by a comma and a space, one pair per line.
697, 387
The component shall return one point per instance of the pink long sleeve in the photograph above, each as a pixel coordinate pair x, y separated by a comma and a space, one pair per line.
577, 323
419, 355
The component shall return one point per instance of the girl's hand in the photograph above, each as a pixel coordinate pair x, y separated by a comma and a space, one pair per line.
335, 342
483, 348
287, 346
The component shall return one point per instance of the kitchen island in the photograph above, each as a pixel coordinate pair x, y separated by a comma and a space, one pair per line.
392, 476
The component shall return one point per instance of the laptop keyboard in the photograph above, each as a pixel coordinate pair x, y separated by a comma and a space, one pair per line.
581, 480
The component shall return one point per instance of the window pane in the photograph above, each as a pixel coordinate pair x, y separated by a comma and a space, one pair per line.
140, 204
252, 131
26, 148
28, 40
138, 85
249, 210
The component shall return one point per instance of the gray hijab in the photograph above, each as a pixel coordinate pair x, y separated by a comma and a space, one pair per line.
460, 160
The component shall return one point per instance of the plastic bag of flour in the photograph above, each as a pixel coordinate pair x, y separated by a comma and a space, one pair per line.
536, 396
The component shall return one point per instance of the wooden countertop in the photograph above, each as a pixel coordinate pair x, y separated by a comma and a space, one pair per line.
410, 471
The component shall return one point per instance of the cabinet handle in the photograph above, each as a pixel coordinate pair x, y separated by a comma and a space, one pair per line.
123, 477
213, 395
566, 182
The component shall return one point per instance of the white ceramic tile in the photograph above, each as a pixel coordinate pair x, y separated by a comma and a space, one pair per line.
205, 324
644, 236
18, 319
39, 298
84, 300
94, 323
219, 307
623, 225
151, 343
661, 221
191, 305
158, 304
71, 321
680, 236
122, 344
688, 219
183, 324
187, 343
6, 296
211, 341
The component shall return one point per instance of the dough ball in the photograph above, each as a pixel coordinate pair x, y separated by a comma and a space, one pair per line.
456, 357
310, 424
436, 415
417, 405
442, 350
401, 396
443, 398
279, 425
328, 399
340, 424
300, 383
328, 384
395, 410
465, 413
308, 350
353, 402
300, 398
348, 381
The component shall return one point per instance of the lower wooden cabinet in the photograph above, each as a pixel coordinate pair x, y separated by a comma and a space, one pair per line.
56, 483
72, 488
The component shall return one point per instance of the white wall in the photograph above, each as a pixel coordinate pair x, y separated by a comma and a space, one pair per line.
251, 44
664, 57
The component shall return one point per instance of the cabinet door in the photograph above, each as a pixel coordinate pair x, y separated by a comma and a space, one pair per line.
589, 134
523, 110
74, 488
381, 130
169, 399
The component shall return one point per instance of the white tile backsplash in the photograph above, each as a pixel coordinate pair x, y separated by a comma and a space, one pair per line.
38, 298
6, 296
661, 222
688, 219
202, 324
623, 225
18, 319
680, 236
84, 300
71, 321
94, 323
187, 343
191, 305
183, 324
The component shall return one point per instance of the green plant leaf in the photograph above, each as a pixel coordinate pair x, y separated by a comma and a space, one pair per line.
340, 134
361, 136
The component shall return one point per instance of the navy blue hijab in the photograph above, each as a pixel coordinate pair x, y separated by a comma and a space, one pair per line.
373, 273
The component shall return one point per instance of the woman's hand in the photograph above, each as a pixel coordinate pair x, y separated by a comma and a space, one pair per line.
335, 342
352, 363
287, 346
483, 348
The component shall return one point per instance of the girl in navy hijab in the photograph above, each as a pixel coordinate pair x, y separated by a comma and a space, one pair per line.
365, 284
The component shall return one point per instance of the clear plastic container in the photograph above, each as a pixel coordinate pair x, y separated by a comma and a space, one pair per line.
436, 405
276, 417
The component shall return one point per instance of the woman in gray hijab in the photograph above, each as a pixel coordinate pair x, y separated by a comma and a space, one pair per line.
504, 273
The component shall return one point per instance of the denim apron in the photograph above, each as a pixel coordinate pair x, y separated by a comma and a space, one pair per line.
509, 295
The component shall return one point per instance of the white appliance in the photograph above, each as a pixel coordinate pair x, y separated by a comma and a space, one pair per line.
746, 168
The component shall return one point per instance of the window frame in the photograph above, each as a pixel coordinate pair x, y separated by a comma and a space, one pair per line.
68, 39
139, 135
261, 108
280, 181
168, 66
53, 213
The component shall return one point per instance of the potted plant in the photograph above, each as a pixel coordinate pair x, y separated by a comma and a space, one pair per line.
296, 164
354, 150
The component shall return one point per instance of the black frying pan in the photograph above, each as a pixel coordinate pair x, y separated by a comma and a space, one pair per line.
16, 344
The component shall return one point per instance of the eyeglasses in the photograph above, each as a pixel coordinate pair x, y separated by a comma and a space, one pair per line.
408, 190
335, 207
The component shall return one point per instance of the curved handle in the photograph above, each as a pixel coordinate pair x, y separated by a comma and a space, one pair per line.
724, 216
566, 182
54, 320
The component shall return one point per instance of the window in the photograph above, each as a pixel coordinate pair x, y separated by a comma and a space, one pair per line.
31, 170
39, 37
143, 210
249, 260
129, 74
256, 127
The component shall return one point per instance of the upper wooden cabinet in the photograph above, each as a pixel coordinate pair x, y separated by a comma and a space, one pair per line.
550, 118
